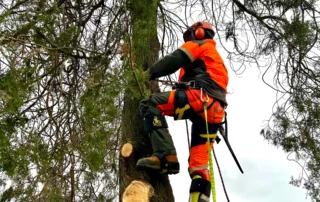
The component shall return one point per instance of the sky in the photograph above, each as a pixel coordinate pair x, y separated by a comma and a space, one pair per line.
267, 172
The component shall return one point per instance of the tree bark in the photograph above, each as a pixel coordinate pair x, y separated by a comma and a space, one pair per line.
145, 46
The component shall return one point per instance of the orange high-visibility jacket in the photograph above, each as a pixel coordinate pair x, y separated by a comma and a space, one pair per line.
198, 60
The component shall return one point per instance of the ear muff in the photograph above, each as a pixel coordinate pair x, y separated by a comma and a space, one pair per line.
199, 33
198, 30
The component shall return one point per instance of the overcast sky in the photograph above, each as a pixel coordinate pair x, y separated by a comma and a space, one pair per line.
267, 171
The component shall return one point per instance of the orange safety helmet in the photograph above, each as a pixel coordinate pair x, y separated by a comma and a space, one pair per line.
198, 30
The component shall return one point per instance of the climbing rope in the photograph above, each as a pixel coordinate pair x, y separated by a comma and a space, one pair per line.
132, 67
212, 181
213, 187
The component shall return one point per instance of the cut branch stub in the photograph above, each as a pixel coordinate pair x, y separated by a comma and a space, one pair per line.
138, 191
127, 150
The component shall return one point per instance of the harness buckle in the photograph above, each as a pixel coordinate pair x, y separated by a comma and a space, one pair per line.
186, 85
181, 85
192, 84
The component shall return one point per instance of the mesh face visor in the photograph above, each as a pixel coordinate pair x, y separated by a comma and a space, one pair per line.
188, 35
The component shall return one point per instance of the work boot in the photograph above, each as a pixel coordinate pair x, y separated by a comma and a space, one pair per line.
163, 164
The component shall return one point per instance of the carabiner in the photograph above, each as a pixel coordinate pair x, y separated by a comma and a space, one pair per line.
207, 97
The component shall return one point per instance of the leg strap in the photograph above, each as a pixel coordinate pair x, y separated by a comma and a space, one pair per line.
198, 128
182, 108
200, 185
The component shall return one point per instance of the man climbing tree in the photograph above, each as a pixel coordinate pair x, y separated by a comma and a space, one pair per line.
203, 80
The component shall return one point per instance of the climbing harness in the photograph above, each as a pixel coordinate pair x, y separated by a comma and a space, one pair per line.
181, 85
223, 133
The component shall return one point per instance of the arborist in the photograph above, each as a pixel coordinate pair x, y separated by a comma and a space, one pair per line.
203, 79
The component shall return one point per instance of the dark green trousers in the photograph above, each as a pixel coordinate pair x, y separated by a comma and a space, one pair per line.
153, 111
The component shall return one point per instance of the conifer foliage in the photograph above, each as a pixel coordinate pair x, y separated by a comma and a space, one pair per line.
59, 99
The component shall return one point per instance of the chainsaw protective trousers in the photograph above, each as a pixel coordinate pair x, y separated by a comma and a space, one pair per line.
189, 107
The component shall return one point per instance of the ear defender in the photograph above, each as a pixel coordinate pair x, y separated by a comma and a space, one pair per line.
199, 31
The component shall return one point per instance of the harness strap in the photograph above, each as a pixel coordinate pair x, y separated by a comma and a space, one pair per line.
198, 184
185, 85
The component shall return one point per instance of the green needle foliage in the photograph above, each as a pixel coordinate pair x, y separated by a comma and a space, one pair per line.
60, 97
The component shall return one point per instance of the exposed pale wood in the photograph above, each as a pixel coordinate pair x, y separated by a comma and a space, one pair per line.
127, 150
138, 191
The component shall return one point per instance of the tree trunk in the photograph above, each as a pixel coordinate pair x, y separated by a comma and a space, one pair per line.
145, 46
